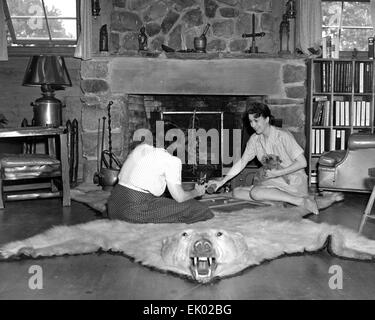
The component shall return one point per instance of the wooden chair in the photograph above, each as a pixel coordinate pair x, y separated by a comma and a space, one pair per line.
17, 170
370, 203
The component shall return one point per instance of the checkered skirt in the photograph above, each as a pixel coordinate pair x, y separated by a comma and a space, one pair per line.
139, 207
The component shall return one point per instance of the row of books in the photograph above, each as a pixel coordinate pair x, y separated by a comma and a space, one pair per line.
343, 77
341, 113
322, 141
363, 77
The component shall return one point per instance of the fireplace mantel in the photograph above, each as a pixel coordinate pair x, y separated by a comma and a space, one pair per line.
255, 76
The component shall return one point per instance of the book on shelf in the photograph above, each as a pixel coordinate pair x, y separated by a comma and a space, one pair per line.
363, 77
341, 113
361, 114
338, 139
342, 76
318, 141
322, 76
321, 116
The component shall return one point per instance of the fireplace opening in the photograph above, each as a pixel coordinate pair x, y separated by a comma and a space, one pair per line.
206, 132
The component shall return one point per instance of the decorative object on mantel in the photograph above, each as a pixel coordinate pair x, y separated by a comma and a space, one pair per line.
284, 35
103, 38
51, 74
201, 41
253, 35
142, 39
291, 14
95, 8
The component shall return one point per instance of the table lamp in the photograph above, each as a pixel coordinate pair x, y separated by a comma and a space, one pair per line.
51, 74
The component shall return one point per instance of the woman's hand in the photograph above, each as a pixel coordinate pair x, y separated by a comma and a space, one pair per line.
273, 173
215, 184
200, 189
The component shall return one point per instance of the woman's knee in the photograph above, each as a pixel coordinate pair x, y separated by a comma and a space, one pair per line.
241, 192
256, 193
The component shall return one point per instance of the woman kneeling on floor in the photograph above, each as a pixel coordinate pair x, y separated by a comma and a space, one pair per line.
143, 179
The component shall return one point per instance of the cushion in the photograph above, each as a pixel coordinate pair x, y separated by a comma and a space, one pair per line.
20, 160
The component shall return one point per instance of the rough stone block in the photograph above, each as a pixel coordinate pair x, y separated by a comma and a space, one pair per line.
238, 45
94, 86
267, 22
89, 169
130, 41
223, 28
135, 99
244, 23
169, 21
210, 7
138, 4
152, 29
229, 12
119, 3
175, 38
94, 69
90, 142
156, 43
256, 5
228, 2
91, 114
180, 5
292, 115
296, 92
269, 43
193, 18
123, 21
73, 109
216, 45
155, 12
293, 73
114, 43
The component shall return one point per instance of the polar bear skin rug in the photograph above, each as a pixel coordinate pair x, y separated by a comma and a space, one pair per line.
221, 247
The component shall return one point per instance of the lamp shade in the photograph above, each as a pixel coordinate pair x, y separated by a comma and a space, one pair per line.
47, 70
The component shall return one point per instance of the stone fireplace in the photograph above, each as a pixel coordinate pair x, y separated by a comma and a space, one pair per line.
139, 86
224, 80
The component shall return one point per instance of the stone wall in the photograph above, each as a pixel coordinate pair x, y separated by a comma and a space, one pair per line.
176, 23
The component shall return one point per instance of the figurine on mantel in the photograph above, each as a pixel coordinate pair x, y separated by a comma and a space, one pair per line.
142, 39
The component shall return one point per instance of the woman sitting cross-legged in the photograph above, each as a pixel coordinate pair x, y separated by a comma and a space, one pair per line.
283, 176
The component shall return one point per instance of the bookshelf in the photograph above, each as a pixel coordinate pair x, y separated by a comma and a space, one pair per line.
340, 102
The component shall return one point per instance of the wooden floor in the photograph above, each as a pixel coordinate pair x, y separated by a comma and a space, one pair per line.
106, 276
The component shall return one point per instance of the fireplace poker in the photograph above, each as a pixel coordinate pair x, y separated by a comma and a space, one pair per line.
110, 133
98, 148
103, 133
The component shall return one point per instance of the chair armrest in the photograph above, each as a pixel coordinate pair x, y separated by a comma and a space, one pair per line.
332, 158
361, 141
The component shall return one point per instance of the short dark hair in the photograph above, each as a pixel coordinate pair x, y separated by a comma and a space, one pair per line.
135, 143
259, 109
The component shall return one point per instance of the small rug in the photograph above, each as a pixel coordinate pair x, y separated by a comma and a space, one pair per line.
221, 247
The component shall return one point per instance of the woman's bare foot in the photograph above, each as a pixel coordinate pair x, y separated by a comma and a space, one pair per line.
327, 198
310, 205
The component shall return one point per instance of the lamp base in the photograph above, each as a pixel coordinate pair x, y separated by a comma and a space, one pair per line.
47, 111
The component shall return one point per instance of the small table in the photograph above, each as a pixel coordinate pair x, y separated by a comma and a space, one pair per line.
370, 203
56, 133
